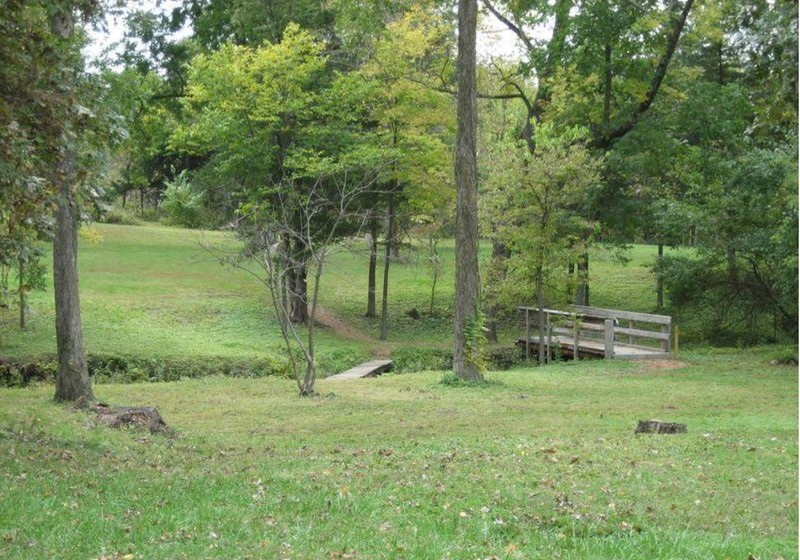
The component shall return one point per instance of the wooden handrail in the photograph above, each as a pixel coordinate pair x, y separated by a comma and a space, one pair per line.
572, 323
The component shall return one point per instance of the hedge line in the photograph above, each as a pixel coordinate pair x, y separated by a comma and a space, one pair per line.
116, 368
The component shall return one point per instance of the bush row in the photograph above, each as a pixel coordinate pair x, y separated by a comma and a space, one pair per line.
116, 368
113, 368
409, 360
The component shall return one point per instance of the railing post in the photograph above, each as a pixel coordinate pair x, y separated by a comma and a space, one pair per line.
665, 329
549, 340
608, 331
576, 332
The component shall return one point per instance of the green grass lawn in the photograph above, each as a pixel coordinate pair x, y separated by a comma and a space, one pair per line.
154, 291
540, 463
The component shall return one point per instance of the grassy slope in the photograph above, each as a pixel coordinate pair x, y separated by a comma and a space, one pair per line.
541, 464
153, 290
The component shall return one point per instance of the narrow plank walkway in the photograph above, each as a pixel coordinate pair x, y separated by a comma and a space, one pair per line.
367, 369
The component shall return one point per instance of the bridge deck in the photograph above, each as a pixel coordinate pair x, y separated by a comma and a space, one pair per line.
594, 348
367, 369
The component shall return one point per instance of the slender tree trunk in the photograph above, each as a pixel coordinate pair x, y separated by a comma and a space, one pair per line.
436, 263
311, 364
607, 89
72, 379
466, 172
496, 277
660, 281
387, 262
373, 265
570, 280
23, 304
582, 292
543, 349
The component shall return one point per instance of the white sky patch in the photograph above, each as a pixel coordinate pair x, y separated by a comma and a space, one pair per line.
495, 40
102, 41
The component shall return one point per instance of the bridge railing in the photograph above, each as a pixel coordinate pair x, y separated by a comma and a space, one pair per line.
598, 330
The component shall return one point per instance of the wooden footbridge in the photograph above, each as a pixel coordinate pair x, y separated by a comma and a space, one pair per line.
368, 369
594, 332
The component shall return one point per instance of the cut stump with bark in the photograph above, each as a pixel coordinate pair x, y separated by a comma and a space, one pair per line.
122, 416
659, 427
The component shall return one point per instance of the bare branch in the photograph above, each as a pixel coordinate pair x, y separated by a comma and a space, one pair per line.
605, 141
516, 29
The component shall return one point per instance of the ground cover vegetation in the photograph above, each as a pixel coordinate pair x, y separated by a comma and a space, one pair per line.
536, 463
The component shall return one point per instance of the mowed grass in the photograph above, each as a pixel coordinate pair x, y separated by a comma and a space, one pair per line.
540, 463
154, 291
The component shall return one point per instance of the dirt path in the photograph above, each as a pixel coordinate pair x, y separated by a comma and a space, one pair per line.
330, 320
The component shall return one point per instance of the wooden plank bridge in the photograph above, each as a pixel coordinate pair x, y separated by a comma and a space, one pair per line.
367, 369
594, 332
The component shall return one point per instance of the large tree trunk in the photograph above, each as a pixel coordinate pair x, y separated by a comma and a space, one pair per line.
373, 265
466, 172
387, 261
72, 379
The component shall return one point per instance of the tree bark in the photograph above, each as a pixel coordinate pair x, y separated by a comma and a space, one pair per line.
72, 379
466, 173
373, 265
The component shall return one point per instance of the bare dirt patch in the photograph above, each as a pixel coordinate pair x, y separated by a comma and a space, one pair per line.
653, 366
328, 319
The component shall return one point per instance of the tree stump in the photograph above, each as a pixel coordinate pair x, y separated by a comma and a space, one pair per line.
121, 416
659, 427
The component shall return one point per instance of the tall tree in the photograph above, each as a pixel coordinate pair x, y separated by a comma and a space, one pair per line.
42, 61
72, 379
467, 291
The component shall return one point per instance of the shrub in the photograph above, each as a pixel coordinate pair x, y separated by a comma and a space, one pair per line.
184, 207
113, 368
409, 360
121, 216
501, 358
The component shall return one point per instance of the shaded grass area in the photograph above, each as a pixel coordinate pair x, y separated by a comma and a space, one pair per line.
538, 463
